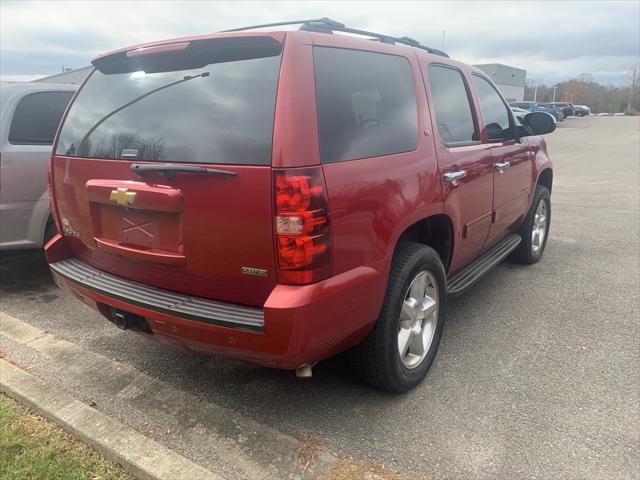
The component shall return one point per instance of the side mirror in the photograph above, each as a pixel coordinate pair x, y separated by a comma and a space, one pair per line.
538, 123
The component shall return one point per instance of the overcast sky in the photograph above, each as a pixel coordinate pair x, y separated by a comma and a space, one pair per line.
553, 41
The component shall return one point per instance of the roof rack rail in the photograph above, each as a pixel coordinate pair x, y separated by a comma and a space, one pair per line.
324, 20
326, 25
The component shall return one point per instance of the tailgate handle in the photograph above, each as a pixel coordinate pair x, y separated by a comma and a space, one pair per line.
162, 257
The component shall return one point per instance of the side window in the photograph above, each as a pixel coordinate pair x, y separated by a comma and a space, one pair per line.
37, 117
496, 116
451, 105
366, 104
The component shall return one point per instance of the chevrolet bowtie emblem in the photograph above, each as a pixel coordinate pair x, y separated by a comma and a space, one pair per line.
122, 196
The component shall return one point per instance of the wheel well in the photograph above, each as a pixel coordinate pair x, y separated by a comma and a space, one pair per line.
546, 179
436, 232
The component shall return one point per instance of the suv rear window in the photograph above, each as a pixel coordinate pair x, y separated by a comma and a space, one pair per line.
211, 102
366, 104
37, 117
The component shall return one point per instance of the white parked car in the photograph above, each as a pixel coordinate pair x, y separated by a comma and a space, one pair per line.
581, 110
29, 117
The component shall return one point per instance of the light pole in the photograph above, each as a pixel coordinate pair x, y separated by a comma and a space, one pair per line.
535, 90
443, 32
554, 93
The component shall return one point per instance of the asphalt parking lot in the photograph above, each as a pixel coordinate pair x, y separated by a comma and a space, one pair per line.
537, 376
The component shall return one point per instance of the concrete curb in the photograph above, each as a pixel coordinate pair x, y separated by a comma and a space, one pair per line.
140, 455
218, 438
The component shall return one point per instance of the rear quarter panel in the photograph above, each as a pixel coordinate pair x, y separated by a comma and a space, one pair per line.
374, 200
541, 159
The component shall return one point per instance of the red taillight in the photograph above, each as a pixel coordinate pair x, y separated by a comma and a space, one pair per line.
302, 225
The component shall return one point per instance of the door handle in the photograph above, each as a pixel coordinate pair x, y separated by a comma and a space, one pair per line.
454, 177
500, 166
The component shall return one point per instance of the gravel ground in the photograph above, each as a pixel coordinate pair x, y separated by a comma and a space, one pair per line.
537, 375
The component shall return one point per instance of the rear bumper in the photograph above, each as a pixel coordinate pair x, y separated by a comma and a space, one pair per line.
156, 299
297, 325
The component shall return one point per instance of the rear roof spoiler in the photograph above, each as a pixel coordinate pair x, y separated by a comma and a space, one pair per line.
190, 54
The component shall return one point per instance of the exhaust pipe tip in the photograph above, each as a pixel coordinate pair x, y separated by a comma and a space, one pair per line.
129, 321
304, 371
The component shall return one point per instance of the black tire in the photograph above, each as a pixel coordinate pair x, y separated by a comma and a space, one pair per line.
525, 253
580, 114
377, 360
50, 231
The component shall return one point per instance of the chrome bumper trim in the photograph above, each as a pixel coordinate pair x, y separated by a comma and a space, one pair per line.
159, 300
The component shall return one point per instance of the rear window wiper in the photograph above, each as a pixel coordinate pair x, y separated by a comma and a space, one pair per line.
168, 170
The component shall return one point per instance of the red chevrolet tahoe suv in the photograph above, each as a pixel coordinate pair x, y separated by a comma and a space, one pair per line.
283, 196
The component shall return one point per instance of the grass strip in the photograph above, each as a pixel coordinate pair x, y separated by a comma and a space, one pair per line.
33, 448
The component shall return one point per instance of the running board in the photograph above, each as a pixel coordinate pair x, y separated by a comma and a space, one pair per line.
483, 264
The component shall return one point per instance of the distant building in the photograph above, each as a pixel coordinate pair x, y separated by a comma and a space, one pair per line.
75, 77
510, 80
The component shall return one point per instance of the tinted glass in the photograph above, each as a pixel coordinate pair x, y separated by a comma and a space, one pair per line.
366, 104
36, 118
451, 105
214, 104
497, 119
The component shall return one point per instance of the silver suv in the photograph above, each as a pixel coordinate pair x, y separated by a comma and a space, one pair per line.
29, 117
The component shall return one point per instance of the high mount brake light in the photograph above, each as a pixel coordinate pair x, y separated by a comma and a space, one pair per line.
302, 225
167, 47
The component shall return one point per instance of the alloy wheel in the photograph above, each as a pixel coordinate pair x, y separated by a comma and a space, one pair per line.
539, 230
418, 319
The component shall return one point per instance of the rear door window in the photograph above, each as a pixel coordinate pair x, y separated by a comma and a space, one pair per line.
212, 102
452, 107
366, 104
36, 118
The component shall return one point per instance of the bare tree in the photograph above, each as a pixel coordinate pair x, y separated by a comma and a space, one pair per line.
601, 98
148, 148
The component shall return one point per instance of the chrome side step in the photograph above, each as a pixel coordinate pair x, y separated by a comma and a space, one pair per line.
483, 264
159, 300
